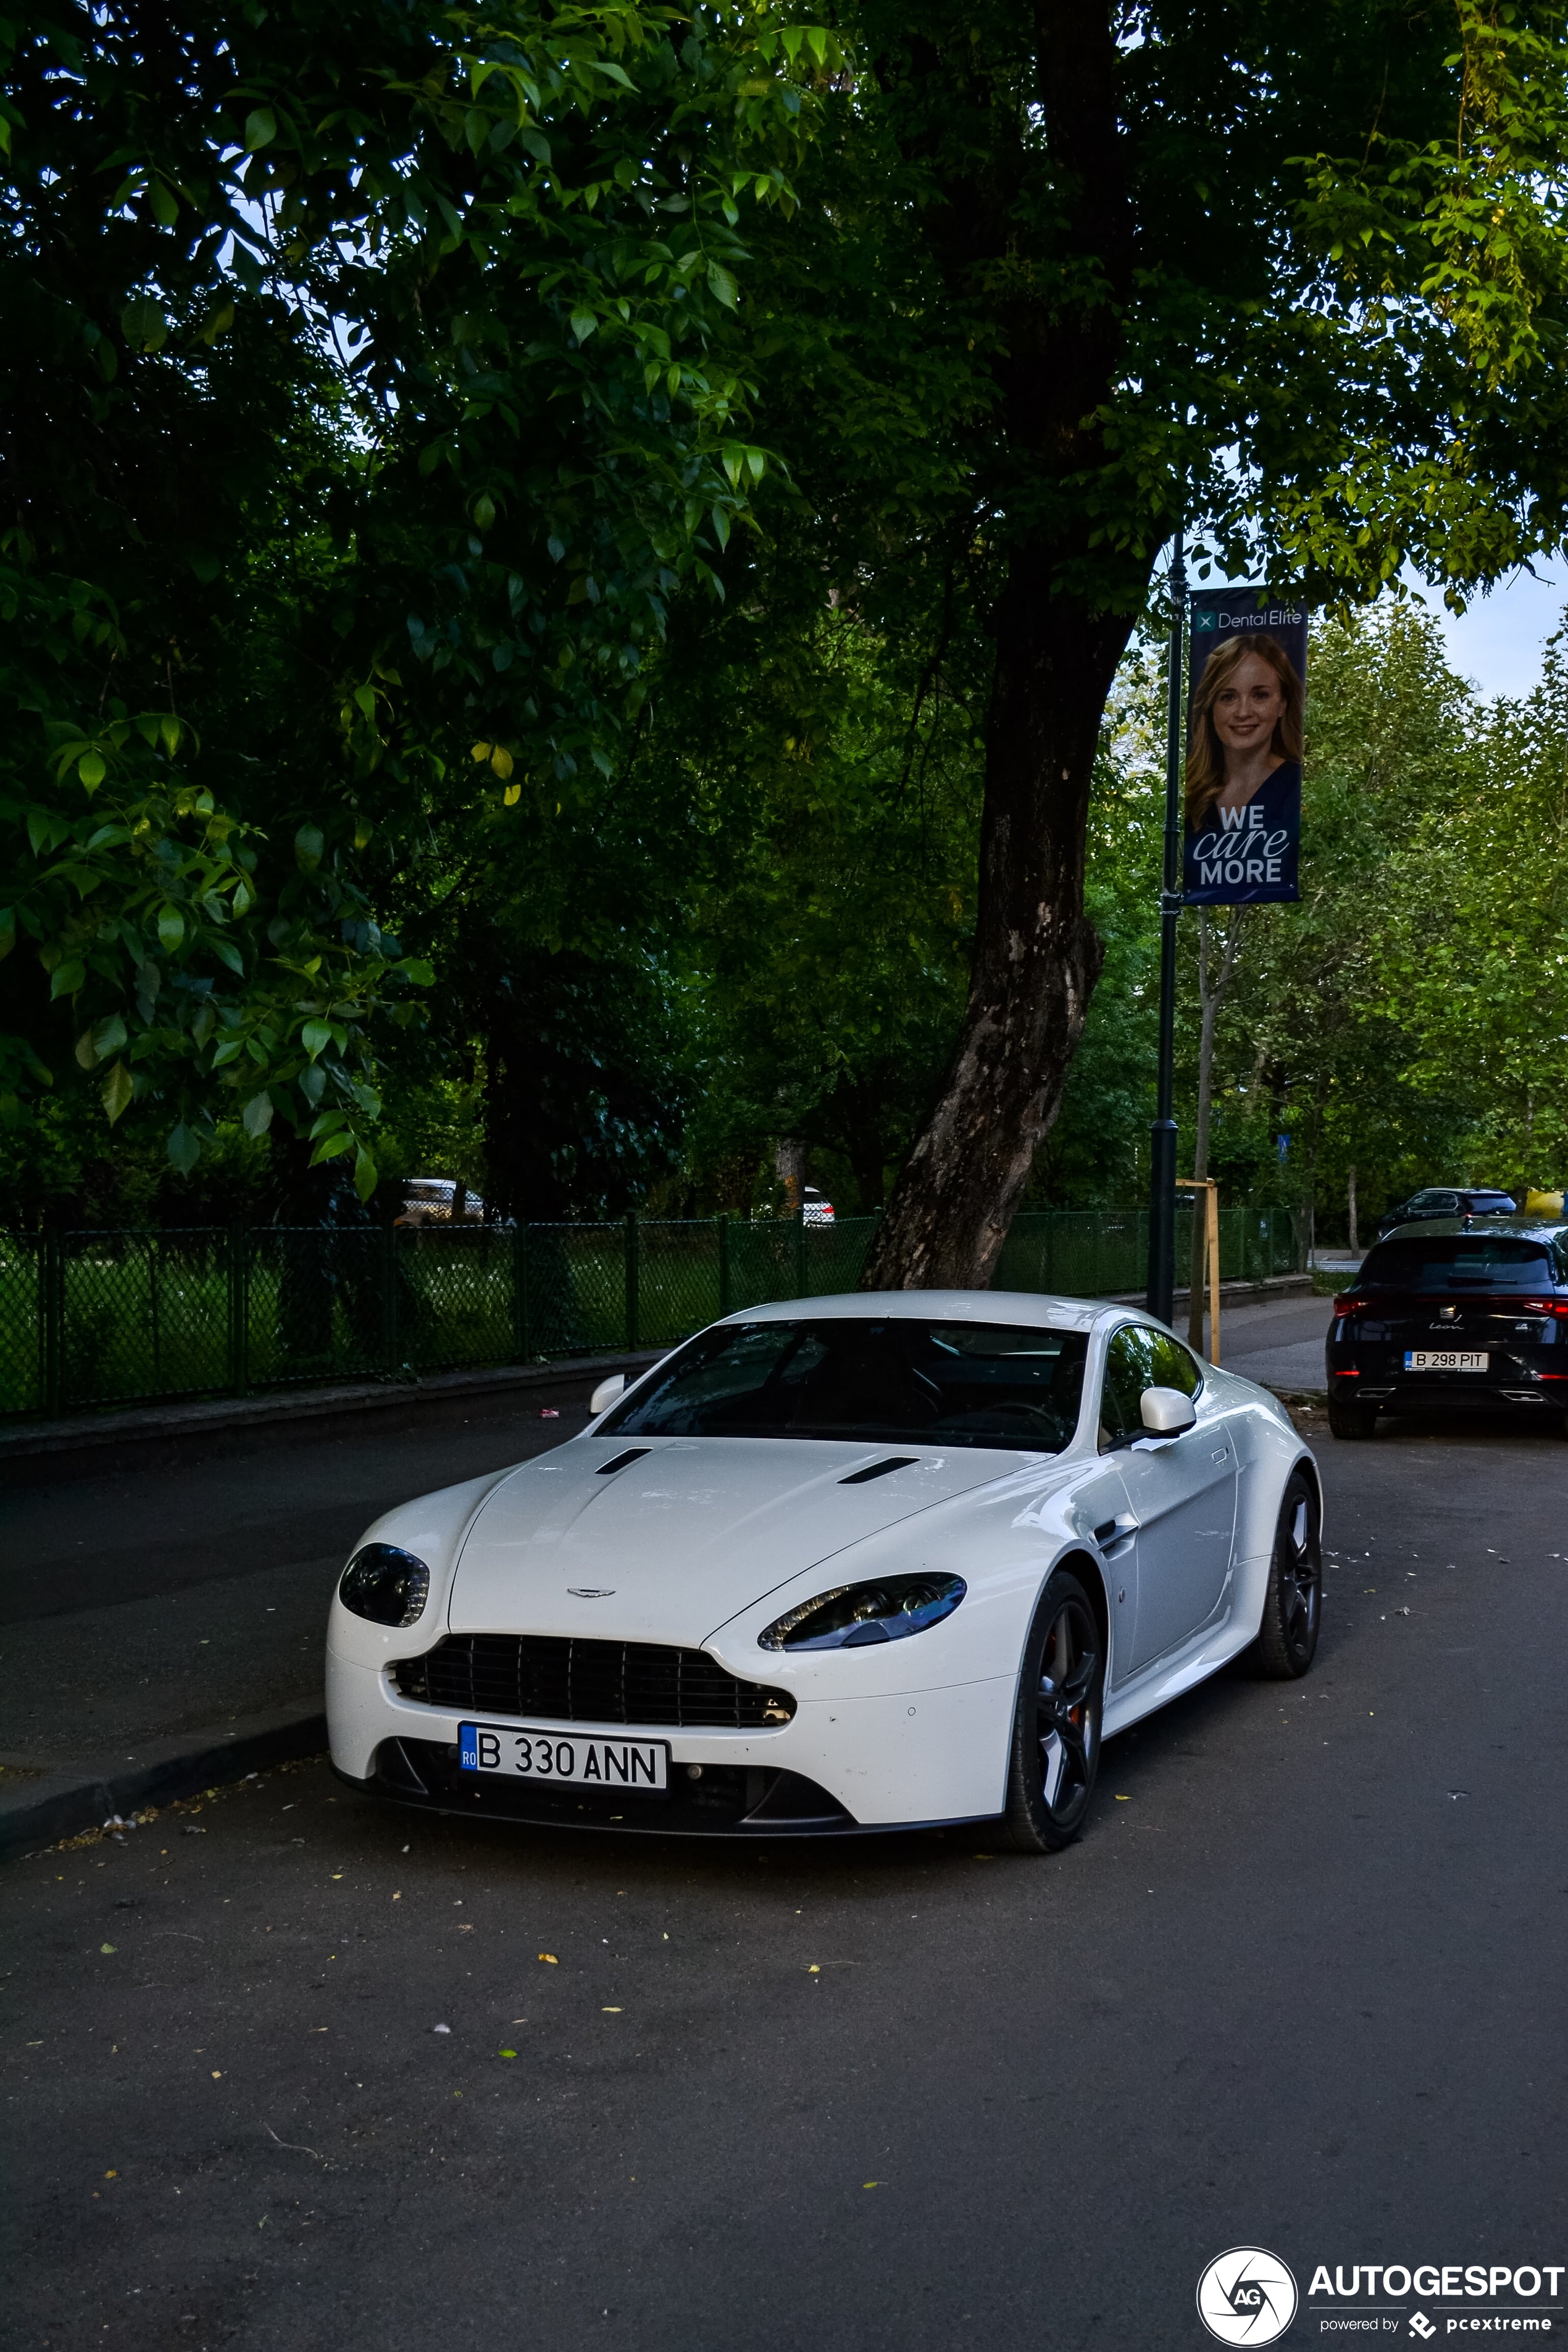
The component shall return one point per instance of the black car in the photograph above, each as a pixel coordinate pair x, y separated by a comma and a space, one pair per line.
1440, 1200
1453, 1314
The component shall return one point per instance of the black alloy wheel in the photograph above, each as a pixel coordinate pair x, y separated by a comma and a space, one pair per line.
1351, 1420
1056, 1726
1293, 1603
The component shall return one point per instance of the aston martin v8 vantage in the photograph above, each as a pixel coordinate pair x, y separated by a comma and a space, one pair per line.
834, 1565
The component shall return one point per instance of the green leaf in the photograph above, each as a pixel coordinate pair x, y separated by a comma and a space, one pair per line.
91, 770
722, 285
260, 128
108, 1036
143, 325
170, 927
68, 977
309, 844
331, 1146
583, 324
257, 1116
185, 1149
315, 1037
366, 1173
117, 1092
226, 952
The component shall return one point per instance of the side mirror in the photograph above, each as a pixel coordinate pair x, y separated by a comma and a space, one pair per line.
606, 1393
1166, 1411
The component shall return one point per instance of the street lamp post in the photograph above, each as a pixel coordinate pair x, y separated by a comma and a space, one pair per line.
1162, 1139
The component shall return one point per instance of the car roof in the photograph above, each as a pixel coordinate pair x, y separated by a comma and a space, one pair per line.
1029, 1307
1434, 1228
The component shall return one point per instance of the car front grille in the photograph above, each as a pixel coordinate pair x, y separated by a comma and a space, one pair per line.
568, 1681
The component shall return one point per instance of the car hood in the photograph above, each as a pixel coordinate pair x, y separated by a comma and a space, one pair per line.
671, 1547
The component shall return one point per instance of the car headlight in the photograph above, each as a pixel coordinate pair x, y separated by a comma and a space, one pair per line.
388, 1586
852, 1615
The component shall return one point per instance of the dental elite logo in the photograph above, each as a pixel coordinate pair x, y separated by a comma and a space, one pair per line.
1247, 2296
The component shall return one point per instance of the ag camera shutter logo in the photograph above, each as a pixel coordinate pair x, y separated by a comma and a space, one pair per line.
1247, 2295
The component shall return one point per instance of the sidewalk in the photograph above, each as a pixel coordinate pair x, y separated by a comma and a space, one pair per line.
165, 1588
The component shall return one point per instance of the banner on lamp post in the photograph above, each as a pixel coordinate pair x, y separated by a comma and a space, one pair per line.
1246, 689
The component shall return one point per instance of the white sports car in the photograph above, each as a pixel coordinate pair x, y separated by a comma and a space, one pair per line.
841, 1564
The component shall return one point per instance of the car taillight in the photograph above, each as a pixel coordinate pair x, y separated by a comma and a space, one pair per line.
1350, 1303
1543, 1307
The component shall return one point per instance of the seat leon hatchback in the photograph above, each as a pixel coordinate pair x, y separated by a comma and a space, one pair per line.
1453, 1315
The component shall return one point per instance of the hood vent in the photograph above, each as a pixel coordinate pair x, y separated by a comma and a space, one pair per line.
879, 1469
620, 1461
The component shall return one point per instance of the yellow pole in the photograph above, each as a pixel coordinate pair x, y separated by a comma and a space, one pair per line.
1209, 1187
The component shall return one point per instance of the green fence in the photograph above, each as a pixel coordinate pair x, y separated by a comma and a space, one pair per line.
99, 1318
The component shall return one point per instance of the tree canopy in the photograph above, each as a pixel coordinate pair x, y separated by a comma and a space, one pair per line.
575, 577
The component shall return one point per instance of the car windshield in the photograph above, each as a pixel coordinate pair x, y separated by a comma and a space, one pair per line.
875, 1380
1458, 1262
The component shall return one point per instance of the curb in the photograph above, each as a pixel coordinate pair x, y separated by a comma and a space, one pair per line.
82, 1798
29, 1441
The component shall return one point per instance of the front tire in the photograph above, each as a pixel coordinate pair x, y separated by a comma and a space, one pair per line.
1055, 1724
1293, 1606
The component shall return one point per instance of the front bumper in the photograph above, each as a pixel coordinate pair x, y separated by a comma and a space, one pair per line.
923, 1759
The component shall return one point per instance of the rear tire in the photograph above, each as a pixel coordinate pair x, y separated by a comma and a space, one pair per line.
1293, 1606
1351, 1420
1055, 1723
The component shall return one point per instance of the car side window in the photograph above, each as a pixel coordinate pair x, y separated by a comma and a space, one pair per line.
1174, 1367
1128, 1370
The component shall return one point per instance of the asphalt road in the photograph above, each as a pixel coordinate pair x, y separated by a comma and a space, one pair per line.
1300, 1986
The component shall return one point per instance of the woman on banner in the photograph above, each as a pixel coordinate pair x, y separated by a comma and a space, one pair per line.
1244, 775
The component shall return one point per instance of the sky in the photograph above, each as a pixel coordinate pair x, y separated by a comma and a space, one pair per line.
1498, 642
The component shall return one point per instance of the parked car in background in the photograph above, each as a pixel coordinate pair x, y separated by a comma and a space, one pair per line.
433, 1201
814, 1209
1449, 1201
1449, 1314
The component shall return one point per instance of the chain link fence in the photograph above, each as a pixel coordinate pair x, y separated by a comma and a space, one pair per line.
101, 1318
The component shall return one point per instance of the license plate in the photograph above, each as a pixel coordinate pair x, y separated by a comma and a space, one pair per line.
563, 1756
1445, 1359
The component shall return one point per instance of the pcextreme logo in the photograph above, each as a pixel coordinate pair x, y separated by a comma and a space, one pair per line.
1247, 2296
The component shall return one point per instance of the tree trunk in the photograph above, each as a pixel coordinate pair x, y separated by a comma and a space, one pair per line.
1036, 957
789, 1165
1350, 1206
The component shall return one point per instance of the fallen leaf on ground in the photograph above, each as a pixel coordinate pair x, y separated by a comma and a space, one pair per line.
550, 1959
